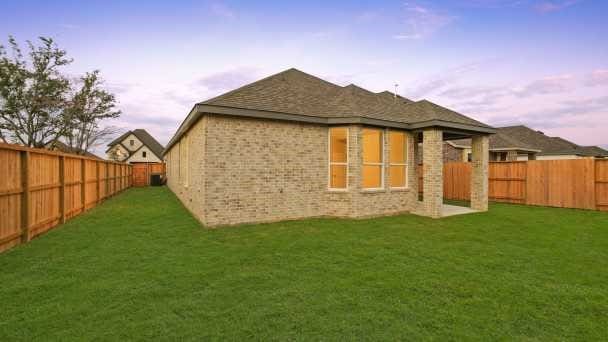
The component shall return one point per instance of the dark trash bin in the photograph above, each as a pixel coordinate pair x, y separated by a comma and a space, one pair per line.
156, 180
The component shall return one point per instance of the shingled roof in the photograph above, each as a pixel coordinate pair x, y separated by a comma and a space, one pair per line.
297, 96
524, 138
145, 138
551, 145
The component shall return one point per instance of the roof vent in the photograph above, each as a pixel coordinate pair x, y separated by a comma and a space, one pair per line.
395, 93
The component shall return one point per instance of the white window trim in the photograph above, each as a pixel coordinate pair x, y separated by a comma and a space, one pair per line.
381, 163
330, 163
407, 158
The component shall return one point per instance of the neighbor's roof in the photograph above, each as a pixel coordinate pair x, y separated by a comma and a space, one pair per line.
297, 96
524, 138
498, 141
145, 138
62, 147
550, 145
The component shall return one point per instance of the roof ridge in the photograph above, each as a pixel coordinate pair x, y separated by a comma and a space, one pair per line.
252, 84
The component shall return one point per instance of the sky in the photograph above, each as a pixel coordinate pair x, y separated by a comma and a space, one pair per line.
542, 63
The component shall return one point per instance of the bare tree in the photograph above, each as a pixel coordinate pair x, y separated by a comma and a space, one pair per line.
88, 106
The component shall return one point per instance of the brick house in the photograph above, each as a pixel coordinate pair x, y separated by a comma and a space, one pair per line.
292, 146
136, 146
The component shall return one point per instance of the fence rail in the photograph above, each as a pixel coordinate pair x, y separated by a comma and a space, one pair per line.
40, 189
575, 183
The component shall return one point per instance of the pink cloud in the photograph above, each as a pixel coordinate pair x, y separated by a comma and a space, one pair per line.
552, 6
597, 78
422, 22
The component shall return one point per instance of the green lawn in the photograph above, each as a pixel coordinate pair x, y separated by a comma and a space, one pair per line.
140, 267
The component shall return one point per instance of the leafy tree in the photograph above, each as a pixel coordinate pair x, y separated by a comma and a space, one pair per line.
39, 105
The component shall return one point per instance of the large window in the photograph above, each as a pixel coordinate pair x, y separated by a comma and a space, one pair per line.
397, 159
372, 177
338, 158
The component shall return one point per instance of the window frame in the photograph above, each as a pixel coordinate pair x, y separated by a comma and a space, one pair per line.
330, 163
405, 164
382, 159
143, 154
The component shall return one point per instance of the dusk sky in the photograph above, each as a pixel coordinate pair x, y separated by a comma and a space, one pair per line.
541, 63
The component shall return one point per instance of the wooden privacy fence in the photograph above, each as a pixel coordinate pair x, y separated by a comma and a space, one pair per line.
143, 171
573, 183
40, 189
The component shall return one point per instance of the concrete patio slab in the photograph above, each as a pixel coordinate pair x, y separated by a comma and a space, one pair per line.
451, 210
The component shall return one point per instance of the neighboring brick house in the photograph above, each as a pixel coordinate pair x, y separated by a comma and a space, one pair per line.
292, 146
523, 143
136, 146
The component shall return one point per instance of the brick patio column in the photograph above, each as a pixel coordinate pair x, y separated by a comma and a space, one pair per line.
432, 159
479, 172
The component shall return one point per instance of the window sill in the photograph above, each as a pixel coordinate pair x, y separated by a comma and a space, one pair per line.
337, 191
399, 189
373, 190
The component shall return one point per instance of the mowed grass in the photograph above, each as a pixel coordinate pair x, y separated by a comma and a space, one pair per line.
139, 267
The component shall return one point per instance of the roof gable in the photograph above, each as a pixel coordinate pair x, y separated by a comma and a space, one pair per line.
145, 138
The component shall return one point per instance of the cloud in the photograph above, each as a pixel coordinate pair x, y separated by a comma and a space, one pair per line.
422, 21
69, 26
228, 80
547, 85
439, 82
585, 112
493, 3
597, 78
222, 10
368, 17
555, 5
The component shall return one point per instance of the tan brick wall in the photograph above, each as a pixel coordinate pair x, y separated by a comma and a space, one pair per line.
452, 154
192, 194
263, 170
479, 173
432, 159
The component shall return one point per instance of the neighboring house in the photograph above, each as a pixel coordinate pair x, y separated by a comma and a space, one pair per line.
502, 148
62, 147
136, 146
552, 147
523, 143
292, 146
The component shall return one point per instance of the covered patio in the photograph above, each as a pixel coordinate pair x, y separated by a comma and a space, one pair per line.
432, 141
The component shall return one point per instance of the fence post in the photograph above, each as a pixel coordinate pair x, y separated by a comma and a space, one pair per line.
83, 187
107, 194
594, 192
62, 188
25, 196
525, 201
115, 178
98, 182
